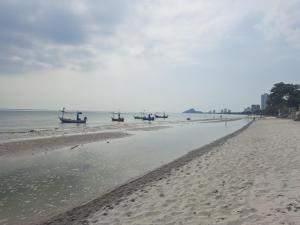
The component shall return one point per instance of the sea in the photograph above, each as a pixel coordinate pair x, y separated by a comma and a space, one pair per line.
37, 186
32, 123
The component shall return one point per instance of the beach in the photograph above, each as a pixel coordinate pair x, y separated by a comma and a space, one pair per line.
149, 112
47, 172
250, 177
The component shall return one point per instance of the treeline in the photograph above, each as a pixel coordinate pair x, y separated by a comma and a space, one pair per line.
283, 99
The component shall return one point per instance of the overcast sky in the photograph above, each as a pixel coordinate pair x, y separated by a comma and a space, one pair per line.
158, 55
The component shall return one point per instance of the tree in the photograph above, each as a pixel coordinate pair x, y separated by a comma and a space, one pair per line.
282, 97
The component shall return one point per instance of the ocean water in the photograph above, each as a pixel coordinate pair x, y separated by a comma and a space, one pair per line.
22, 121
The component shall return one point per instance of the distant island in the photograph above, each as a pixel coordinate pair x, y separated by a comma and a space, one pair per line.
192, 110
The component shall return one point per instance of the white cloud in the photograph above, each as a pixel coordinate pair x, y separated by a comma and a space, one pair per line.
172, 31
281, 20
160, 31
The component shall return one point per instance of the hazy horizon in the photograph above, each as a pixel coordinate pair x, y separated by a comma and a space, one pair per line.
157, 55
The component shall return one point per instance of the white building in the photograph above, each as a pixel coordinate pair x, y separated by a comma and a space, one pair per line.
264, 99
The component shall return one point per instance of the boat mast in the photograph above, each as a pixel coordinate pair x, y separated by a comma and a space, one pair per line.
63, 112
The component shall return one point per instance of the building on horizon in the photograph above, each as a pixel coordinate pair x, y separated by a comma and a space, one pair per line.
247, 110
225, 111
264, 99
255, 108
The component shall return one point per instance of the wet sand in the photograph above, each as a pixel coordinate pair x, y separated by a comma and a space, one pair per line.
50, 143
249, 178
46, 143
149, 128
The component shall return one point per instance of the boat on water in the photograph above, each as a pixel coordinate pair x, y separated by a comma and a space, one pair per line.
139, 117
118, 118
68, 120
161, 116
149, 117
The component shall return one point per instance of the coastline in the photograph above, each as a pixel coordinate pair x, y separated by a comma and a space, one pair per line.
78, 215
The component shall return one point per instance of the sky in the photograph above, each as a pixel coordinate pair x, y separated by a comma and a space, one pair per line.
154, 55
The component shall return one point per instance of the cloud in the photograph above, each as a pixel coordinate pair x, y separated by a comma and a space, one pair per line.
85, 35
172, 30
49, 34
281, 20
176, 31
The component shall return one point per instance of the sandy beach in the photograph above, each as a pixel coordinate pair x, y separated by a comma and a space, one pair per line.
248, 178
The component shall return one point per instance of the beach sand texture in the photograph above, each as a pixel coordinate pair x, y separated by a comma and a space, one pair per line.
252, 178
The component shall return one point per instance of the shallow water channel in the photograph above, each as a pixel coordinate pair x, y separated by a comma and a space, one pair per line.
38, 186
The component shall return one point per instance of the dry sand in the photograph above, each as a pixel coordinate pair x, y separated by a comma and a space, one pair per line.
251, 178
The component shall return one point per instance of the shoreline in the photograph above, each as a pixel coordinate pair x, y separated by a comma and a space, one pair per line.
55, 141
79, 214
36, 133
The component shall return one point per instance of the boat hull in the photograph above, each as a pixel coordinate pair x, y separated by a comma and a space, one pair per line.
117, 119
148, 118
63, 120
161, 117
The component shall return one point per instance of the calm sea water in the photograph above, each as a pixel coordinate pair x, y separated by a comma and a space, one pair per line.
26, 120
38, 186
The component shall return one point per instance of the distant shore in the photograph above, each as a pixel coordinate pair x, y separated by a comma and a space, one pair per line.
249, 177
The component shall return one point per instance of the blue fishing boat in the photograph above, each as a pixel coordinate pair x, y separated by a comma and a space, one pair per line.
68, 120
117, 119
163, 116
149, 117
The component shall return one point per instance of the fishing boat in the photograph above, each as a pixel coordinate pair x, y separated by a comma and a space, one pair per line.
68, 120
139, 117
117, 119
149, 117
163, 116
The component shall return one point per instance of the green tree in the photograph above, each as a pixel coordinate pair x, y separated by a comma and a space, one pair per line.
282, 97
